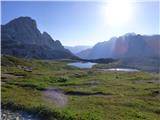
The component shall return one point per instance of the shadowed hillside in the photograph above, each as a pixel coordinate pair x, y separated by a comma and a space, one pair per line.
21, 38
128, 45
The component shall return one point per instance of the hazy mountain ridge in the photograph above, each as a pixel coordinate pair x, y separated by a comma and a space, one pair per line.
21, 37
84, 54
77, 49
102, 46
127, 46
137, 46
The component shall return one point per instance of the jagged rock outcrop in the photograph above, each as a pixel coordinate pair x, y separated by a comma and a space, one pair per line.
21, 38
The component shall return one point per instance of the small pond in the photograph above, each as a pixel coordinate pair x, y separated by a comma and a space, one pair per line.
82, 64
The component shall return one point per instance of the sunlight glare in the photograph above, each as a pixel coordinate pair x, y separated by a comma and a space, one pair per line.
118, 12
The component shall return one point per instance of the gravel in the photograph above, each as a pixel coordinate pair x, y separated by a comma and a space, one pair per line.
10, 115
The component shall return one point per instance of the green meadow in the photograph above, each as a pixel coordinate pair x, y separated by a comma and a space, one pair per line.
82, 94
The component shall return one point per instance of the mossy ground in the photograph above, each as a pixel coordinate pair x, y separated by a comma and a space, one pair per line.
126, 100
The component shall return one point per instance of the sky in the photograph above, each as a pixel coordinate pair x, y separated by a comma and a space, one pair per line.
87, 23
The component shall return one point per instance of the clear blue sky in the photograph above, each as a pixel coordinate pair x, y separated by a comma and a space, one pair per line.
83, 23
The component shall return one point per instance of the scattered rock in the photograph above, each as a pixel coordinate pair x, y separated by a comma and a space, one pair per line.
10, 115
19, 66
25, 68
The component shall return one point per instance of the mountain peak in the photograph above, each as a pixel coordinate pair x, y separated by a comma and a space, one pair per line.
22, 38
23, 18
23, 21
130, 34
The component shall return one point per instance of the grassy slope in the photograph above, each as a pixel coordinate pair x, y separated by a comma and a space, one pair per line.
127, 100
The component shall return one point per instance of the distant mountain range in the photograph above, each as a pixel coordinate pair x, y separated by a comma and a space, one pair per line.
77, 49
21, 37
130, 45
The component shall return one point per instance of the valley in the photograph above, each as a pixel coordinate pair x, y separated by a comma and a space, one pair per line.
54, 90
88, 77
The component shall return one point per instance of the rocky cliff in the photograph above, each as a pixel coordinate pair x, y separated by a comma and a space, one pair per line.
21, 37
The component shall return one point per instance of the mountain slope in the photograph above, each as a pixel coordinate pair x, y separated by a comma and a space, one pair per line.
21, 38
136, 46
84, 54
102, 50
126, 46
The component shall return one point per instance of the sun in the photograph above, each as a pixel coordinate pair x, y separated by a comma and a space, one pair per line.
118, 12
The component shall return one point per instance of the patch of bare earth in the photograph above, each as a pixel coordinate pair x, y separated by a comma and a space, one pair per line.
56, 96
59, 98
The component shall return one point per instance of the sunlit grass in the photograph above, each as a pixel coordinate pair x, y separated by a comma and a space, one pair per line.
125, 100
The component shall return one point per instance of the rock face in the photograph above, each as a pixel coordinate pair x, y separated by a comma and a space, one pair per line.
21, 38
132, 45
127, 46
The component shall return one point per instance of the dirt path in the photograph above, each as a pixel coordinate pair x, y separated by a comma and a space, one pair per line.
56, 96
